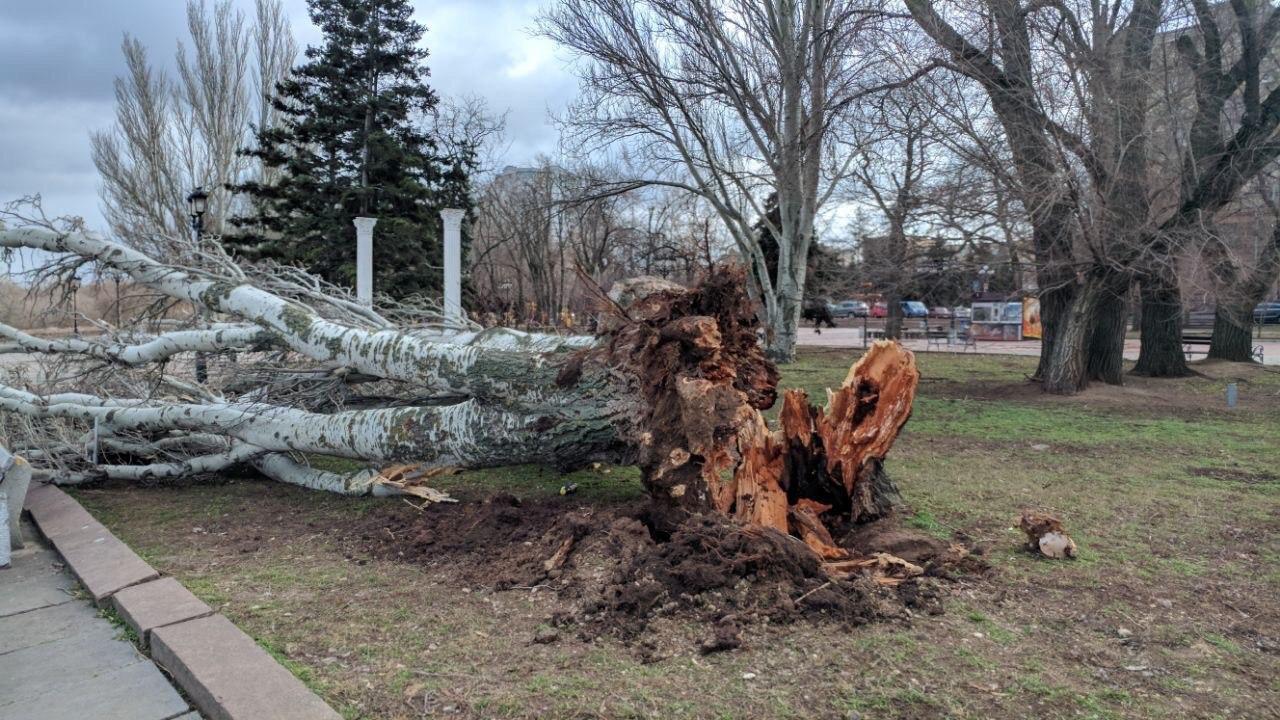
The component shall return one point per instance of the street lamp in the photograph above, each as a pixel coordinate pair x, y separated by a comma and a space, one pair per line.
74, 285
984, 278
197, 205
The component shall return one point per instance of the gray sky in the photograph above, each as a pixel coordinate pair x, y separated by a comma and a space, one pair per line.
58, 59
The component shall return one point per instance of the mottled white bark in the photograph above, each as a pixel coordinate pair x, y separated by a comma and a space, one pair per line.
239, 453
510, 377
467, 434
154, 350
499, 338
281, 467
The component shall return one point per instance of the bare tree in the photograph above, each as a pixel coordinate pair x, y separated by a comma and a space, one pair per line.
173, 135
734, 101
896, 145
1070, 87
1216, 82
978, 198
518, 262
1072, 84
1243, 273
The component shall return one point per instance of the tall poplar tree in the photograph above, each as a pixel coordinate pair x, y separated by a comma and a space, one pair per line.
350, 143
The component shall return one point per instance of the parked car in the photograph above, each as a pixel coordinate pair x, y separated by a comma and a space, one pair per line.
914, 309
850, 308
1267, 312
940, 312
961, 312
910, 309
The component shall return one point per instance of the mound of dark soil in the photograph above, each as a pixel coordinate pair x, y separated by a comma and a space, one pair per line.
712, 569
611, 576
499, 542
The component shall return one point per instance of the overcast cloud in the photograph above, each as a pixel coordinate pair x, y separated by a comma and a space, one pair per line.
58, 59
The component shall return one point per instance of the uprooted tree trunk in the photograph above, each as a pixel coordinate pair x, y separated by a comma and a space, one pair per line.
675, 383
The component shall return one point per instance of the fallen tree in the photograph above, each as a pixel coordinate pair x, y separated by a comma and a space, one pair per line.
675, 383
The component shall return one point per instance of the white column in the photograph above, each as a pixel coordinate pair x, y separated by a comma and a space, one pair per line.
364, 259
453, 261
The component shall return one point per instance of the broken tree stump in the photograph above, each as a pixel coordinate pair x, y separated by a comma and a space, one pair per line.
822, 469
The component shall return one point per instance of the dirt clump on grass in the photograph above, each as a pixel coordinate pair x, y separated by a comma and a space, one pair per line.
711, 569
499, 542
611, 576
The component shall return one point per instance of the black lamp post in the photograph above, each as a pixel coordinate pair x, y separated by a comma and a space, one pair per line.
197, 205
74, 285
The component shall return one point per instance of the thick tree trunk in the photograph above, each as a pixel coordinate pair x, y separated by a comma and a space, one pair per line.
514, 378
1161, 354
1055, 306
893, 315
1232, 334
1066, 372
1105, 354
1089, 344
785, 327
1233, 317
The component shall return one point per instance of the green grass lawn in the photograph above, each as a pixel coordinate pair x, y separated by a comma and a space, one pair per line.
1170, 611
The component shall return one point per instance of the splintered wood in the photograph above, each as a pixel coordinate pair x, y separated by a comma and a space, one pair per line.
823, 467
409, 479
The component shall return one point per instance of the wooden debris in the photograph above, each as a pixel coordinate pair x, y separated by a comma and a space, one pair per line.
558, 558
806, 525
884, 568
1046, 535
408, 479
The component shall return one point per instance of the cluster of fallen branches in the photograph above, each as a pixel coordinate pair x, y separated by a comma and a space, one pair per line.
287, 352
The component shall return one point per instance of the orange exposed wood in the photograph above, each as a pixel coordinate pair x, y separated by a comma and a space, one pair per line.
760, 498
865, 415
796, 418
823, 465
809, 528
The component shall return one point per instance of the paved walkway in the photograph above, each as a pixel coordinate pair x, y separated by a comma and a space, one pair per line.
60, 661
849, 337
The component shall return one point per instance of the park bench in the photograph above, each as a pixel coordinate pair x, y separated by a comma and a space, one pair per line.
1197, 336
948, 337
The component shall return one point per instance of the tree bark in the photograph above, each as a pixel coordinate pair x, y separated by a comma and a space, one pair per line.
1055, 306
1232, 334
1161, 354
1233, 318
1105, 352
1067, 371
785, 326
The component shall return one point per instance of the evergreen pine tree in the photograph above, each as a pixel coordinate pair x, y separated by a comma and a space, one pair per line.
351, 144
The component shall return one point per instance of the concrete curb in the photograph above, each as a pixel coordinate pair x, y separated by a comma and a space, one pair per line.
223, 671
156, 604
98, 559
228, 676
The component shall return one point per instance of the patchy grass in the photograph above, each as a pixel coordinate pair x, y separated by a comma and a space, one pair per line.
1170, 611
